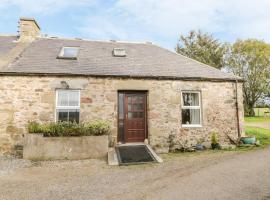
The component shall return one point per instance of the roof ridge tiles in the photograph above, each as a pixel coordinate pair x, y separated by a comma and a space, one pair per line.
92, 40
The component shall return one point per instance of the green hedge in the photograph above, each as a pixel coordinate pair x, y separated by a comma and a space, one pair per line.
62, 129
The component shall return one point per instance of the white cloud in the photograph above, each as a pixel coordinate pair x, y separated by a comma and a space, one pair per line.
160, 21
166, 19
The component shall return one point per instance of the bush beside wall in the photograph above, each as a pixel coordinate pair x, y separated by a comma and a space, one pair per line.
64, 129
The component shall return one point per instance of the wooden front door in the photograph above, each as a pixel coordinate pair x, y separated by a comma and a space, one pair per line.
134, 110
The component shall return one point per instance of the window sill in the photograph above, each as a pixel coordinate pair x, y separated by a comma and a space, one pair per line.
192, 126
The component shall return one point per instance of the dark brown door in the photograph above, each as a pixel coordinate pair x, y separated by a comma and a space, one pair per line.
135, 116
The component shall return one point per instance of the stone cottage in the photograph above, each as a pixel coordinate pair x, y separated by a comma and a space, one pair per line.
143, 90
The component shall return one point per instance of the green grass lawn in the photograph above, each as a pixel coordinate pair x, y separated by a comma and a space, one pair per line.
257, 119
263, 135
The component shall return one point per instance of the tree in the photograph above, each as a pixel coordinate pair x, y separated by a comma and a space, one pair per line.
202, 47
250, 59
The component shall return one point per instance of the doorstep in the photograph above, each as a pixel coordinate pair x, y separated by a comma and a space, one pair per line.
113, 158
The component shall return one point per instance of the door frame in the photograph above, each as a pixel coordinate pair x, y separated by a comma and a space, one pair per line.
145, 92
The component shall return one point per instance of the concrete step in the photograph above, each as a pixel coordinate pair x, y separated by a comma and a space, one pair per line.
158, 159
112, 157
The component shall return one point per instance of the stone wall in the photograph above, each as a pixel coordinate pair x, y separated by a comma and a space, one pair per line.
33, 98
37, 147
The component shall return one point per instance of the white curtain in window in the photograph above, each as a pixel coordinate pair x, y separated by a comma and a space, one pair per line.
74, 98
195, 116
191, 99
68, 98
62, 98
194, 99
191, 108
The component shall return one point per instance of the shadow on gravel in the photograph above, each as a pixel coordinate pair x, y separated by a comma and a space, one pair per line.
266, 197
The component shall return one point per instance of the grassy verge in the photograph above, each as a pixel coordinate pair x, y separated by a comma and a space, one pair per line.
257, 119
263, 135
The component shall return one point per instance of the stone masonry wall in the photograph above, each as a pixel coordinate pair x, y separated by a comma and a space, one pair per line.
33, 98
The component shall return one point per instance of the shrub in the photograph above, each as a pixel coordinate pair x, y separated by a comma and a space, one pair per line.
214, 139
97, 128
33, 127
62, 129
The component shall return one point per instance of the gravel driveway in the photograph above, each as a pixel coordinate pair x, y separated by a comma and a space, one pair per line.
208, 175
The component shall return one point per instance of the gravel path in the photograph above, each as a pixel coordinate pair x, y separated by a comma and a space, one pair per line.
10, 164
208, 175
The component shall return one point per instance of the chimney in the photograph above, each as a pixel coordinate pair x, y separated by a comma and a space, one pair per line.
28, 29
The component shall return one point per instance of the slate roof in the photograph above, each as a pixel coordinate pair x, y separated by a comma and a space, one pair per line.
95, 58
6, 44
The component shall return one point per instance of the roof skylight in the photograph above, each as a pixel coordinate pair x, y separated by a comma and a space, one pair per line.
68, 53
119, 52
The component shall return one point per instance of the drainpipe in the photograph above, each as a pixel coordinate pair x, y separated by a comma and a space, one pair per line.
237, 108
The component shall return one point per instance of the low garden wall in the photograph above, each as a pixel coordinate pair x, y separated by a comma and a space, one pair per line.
37, 147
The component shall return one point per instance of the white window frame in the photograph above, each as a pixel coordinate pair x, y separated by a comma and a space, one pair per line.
191, 107
66, 107
61, 53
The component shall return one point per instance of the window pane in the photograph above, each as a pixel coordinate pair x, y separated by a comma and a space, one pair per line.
73, 115
190, 99
119, 52
73, 98
135, 99
129, 106
68, 98
62, 115
133, 115
70, 52
121, 116
137, 106
121, 106
62, 98
191, 116
140, 114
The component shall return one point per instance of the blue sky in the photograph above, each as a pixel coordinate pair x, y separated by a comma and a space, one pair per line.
159, 21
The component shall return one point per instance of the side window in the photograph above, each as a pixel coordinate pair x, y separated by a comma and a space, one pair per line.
68, 105
191, 109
